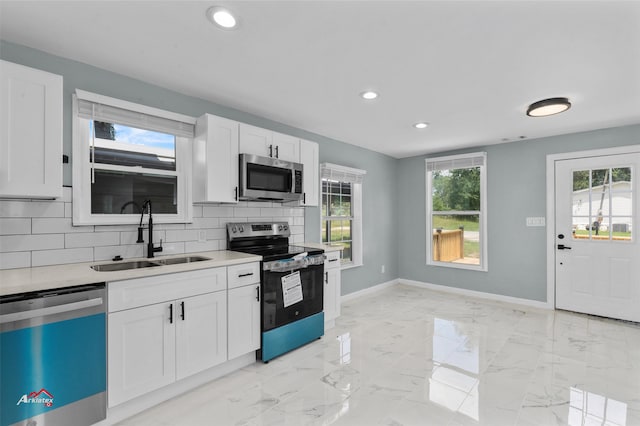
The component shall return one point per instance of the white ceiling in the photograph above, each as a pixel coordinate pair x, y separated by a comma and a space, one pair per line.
469, 68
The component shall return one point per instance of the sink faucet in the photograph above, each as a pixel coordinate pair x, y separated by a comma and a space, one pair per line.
150, 247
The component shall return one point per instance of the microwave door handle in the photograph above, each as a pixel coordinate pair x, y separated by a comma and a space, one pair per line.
290, 183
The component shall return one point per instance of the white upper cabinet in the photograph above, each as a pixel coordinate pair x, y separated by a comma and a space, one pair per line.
286, 147
309, 157
266, 143
215, 160
30, 132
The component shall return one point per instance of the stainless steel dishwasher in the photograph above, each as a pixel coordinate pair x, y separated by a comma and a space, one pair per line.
53, 357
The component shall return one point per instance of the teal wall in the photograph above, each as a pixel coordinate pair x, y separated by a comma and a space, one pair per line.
379, 197
516, 186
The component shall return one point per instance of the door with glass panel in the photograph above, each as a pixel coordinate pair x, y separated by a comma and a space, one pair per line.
597, 251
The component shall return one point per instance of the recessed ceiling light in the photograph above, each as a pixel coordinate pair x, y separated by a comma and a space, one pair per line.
547, 107
369, 95
222, 17
421, 125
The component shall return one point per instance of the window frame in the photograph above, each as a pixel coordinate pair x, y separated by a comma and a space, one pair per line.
483, 235
356, 176
82, 167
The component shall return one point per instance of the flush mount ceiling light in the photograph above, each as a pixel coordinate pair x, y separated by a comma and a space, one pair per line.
369, 95
222, 18
548, 107
421, 125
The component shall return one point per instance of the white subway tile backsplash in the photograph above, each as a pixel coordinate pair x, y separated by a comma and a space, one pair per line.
31, 209
91, 239
169, 248
56, 257
246, 211
124, 251
216, 234
184, 235
19, 259
217, 211
203, 222
57, 225
38, 233
15, 226
31, 242
67, 194
196, 246
117, 228
165, 226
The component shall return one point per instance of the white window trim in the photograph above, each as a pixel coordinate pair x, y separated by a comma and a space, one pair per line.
81, 169
356, 176
484, 257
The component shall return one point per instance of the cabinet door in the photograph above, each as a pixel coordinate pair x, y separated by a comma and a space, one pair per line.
201, 333
244, 320
215, 160
255, 140
309, 157
286, 147
141, 351
30, 132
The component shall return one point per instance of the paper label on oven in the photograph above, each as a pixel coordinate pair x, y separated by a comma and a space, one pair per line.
291, 289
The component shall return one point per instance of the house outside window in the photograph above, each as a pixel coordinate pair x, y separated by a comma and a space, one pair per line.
125, 154
342, 210
456, 211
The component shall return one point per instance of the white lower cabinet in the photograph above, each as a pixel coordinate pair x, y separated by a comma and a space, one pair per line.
201, 333
141, 352
154, 341
332, 287
244, 320
244, 308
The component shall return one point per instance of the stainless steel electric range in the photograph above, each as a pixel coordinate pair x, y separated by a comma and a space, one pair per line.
291, 285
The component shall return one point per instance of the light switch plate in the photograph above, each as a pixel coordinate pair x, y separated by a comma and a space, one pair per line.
535, 221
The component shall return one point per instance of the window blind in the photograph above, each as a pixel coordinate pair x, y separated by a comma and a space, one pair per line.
134, 115
339, 173
457, 162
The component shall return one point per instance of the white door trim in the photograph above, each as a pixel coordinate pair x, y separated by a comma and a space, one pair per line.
551, 206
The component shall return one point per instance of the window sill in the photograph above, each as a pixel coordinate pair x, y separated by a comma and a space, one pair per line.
350, 266
478, 268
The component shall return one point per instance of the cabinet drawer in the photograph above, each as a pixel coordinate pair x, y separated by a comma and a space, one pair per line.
332, 260
244, 274
162, 288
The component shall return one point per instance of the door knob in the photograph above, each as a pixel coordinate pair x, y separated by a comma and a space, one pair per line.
563, 247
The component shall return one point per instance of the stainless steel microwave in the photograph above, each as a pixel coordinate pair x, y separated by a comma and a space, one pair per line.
269, 179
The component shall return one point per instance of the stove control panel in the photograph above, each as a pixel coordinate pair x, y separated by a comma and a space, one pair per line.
257, 229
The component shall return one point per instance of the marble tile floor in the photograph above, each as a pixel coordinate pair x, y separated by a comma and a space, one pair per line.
411, 356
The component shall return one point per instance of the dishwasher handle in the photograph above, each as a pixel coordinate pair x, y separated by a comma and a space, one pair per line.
51, 310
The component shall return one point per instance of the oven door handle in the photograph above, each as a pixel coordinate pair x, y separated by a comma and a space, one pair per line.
294, 265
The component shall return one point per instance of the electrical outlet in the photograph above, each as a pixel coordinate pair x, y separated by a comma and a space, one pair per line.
382, 269
202, 236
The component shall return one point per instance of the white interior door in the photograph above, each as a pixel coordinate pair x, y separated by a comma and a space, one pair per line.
597, 262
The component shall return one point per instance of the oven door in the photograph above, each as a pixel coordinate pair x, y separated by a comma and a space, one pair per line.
278, 309
263, 178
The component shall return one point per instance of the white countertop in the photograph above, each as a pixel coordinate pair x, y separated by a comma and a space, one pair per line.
13, 281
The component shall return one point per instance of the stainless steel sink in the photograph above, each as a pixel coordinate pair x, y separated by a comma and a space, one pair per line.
184, 259
123, 266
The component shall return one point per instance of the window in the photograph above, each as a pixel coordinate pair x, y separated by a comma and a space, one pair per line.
124, 154
456, 211
342, 210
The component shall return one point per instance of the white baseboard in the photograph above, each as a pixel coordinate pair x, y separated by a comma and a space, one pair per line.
478, 294
369, 290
